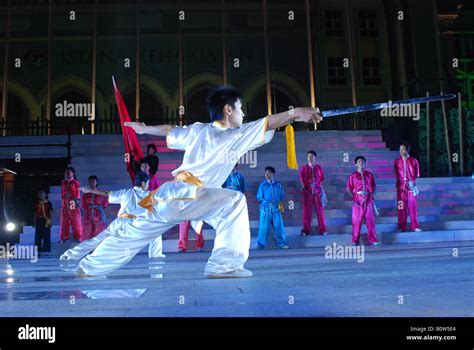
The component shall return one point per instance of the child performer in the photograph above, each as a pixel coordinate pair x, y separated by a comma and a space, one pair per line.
312, 177
184, 234
43, 222
70, 209
93, 221
361, 187
407, 170
145, 167
270, 195
235, 181
155, 249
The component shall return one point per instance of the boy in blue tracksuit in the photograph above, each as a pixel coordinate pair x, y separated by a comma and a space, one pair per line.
270, 194
235, 181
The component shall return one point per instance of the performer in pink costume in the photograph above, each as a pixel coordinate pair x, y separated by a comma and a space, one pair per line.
361, 187
407, 170
311, 178
184, 234
145, 167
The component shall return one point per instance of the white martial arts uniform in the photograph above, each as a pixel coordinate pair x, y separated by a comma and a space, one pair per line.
211, 151
129, 208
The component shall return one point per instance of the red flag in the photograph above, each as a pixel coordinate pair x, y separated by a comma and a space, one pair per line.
130, 140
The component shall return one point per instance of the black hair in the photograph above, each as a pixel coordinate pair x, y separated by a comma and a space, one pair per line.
406, 144
271, 169
359, 157
219, 97
151, 145
93, 177
72, 169
140, 177
46, 193
312, 152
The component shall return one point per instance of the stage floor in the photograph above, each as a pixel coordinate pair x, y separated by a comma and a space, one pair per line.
404, 280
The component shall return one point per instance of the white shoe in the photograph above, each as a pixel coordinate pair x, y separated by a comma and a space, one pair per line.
81, 274
64, 257
325, 233
158, 256
239, 273
418, 229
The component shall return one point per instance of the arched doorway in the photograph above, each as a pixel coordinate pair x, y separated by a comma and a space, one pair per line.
196, 106
281, 101
18, 116
151, 109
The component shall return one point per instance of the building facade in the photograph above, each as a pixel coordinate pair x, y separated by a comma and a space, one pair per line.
167, 54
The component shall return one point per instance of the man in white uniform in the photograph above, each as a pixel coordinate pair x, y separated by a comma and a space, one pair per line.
129, 211
195, 194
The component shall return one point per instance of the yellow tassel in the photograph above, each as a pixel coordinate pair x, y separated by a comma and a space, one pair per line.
290, 147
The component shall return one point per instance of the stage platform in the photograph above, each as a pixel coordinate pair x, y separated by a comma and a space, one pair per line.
399, 280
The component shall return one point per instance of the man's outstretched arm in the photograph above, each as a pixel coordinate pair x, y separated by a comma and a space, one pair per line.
299, 114
157, 130
275, 121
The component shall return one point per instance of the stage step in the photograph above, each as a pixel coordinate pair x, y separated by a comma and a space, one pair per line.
297, 241
444, 204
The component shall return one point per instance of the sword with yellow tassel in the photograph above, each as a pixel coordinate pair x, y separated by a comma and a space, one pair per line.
290, 132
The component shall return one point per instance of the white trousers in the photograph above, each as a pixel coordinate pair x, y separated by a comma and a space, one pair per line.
155, 250
223, 209
116, 227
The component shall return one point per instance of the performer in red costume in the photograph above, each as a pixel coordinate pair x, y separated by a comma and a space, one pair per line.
184, 234
93, 221
311, 178
361, 187
70, 210
407, 170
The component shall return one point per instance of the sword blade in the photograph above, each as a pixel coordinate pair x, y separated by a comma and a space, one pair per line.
376, 106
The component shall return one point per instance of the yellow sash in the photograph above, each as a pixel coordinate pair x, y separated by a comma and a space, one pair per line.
127, 216
147, 202
184, 176
189, 178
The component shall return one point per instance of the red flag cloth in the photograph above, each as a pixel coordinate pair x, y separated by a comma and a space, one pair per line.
130, 140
